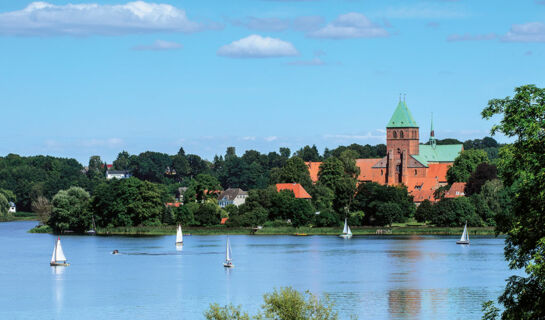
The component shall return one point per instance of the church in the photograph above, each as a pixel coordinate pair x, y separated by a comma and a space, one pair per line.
421, 167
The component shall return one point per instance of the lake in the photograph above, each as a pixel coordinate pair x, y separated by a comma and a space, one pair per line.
373, 277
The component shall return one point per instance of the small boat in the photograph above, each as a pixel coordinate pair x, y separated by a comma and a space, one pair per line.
301, 234
179, 236
347, 233
58, 259
465, 236
115, 251
93, 231
228, 255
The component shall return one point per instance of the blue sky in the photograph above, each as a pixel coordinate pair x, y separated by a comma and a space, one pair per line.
79, 78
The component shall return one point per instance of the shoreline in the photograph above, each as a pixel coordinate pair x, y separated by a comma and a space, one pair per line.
303, 231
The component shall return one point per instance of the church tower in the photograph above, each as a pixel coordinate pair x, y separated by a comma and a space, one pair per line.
402, 140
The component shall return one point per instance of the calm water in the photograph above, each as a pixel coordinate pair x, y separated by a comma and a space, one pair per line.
372, 277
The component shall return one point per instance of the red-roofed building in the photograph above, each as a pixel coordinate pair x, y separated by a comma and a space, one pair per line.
296, 188
173, 204
313, 169
224, 220
456, 190
421, 167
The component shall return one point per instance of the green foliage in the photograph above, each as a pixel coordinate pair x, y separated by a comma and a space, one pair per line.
424, 211
122, 162
4, 206
10, 196
454, 212
203, 187
128, 202
327, 218
483, 173
308, 153
363, 152
30, 177
302, 212
150, 166
282, 304
70, 211
465, 164
184, 215
490, 311
522, 166
370, 198
208, 214
289, 304
229, 312
339, 175
295, 170
322, 196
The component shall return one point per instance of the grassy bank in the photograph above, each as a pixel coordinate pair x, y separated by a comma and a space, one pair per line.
395, 230
20, 216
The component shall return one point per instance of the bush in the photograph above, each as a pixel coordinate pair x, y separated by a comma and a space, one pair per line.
424, 211
208, 214
454, 213
327, 218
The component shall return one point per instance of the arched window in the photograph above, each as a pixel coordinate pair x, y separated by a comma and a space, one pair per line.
395, 135
401, 134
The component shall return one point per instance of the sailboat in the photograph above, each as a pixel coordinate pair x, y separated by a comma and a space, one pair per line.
93, 231
228, 255
465, 236
58, 259
347, 234
179, 236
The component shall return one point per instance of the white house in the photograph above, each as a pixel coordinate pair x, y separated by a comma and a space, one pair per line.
117, 174
234, 196
12, 208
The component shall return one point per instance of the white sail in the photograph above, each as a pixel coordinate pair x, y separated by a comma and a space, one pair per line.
345, 229
464, 234
59, 256
228, 251
349, 231
179, 235
54, 251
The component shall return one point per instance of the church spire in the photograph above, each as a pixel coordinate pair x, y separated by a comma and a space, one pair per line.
402, 117
433, 141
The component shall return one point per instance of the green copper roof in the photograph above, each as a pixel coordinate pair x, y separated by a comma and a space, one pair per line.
402, 117
441, 153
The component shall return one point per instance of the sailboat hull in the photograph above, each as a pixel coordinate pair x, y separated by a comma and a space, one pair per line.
59, 264
462, 242
345, 236
180, 243
228, 265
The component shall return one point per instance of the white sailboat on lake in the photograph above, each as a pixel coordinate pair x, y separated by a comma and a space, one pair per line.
228, 255
58, 258
465, 236
179, 236
347, 233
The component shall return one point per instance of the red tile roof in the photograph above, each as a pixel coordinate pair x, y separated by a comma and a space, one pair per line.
223, 220
173, 204
313, 169
296, 188
367, 173
456, 190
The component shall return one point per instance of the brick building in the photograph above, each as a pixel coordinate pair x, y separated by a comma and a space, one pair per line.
420, 167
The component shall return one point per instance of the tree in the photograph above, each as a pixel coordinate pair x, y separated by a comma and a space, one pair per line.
282, 304
483, 173
183, 215
388, 212
454, 212
302, 212
522, 166
42, 207
295, 170
151, 166
424, 211
327, 218
4, 206
128, 202
70, 211
122, 162
208, 214
465, 164
308, 153
95, 165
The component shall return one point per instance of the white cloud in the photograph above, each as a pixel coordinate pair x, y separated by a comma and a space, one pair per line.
159, 45
271, 138
249, 138
110, 143
256, 46
527, 32
45, 19
470, 37
350, 25
425, 11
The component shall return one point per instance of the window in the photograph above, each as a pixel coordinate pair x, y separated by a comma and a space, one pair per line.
401, 134
415, 172
381, 172
395, 135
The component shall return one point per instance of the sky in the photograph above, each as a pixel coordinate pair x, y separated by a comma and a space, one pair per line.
92, 77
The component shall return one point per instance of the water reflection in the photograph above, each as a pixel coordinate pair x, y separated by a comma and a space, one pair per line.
58, 288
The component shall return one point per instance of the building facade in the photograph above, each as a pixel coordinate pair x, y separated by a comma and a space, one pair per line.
117, 174
234, 196
421, 167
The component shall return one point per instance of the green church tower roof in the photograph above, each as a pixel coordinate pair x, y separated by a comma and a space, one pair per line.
402, 117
